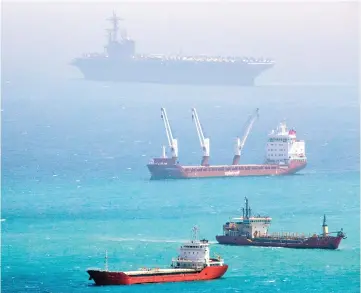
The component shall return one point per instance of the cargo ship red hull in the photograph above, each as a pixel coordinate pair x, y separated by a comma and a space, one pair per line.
166, 169
320, 242
121, 278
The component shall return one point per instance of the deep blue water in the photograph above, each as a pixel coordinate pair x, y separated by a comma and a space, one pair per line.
74, 183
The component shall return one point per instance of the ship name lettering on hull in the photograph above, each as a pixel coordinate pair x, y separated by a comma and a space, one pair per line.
231, 173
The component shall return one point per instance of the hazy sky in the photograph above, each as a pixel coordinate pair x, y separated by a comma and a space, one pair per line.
307, 40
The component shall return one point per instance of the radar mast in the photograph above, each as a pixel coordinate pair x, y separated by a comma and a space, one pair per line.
115, 22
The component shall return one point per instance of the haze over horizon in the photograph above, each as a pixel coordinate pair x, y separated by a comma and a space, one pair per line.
310, 42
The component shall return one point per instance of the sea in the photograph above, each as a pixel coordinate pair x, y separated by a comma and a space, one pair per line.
75, 184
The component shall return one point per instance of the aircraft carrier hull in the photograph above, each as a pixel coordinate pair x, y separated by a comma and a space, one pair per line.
168, 72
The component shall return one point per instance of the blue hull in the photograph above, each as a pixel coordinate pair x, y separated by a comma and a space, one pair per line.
168, 72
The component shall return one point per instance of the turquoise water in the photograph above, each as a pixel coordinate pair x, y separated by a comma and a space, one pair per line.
74, 184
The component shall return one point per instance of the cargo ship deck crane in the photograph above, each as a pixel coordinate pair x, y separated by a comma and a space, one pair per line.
240, 143
203, 141
173, 143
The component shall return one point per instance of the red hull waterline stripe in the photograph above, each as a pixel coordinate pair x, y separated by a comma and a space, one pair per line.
329, 242
183, 172
120, 278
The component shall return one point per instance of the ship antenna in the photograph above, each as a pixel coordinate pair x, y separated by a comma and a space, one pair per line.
324, 220
195, 232
246, 200
106, 261
115, 21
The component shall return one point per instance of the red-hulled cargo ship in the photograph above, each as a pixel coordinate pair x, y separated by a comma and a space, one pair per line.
193, 264
284, 155
251, 230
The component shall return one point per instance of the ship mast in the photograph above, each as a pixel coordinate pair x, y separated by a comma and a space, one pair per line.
164, 155
203, 141
324, 227
114, 31
195, 233
240, 143
106, 261
246, 211
173, 143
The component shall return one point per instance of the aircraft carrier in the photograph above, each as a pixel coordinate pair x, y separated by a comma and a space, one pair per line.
120, 62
